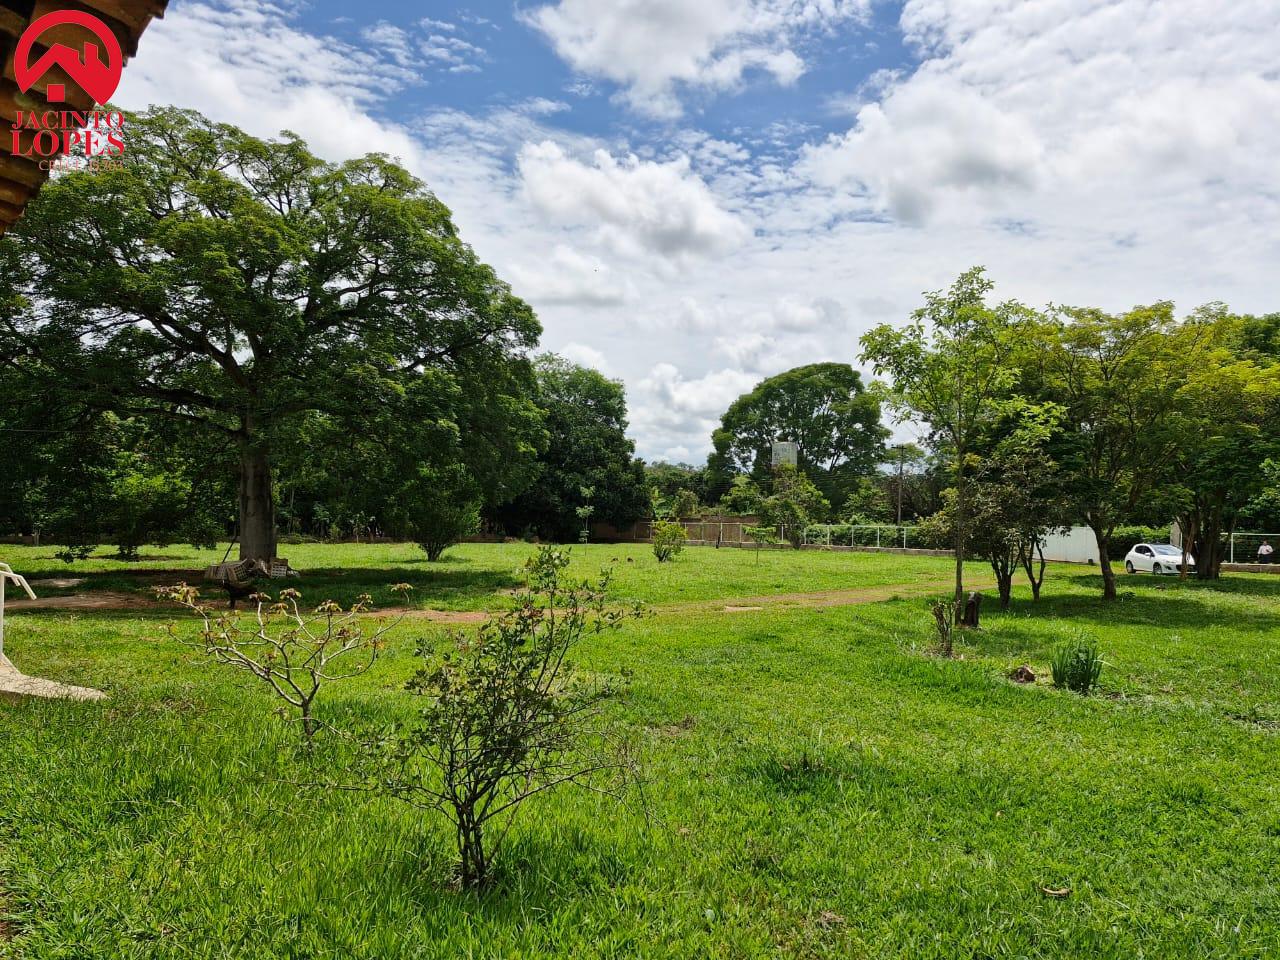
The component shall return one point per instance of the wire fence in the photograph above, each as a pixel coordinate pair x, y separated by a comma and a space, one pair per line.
868, 535
1248, 547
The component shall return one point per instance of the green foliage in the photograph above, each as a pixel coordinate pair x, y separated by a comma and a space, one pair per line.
585, 419
507, 716
794, 504
743, 497
668, 479
1076, 664
443, 508
824, 409
950, 369
253, 293
868, 502
685, 505
836, 534
1116, 379
1262, 512
761, 536
669, 538
1229, 408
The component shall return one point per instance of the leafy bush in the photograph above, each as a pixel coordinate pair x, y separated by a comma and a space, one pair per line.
442, 510
794, 504
507, 716
1076, 665
76, 551
685, 505
669, 539
743, 497
836, 534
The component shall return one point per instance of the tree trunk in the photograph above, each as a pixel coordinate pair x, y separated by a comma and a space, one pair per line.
1029, 553
1003, 565
1103, 540
961, 541
257, 505
1209, 555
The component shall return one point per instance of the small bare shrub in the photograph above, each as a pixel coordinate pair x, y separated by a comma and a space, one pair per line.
508, 717
761, 536
295, 653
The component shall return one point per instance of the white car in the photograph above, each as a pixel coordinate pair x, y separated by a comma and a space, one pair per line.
1157, 558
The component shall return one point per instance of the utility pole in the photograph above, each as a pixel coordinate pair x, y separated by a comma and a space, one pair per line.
902, 456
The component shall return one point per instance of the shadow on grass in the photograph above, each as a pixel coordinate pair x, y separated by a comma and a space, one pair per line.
1163, 608
531, 871
433, 584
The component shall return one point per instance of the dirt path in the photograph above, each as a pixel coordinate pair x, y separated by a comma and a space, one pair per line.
738, 605
819, 599
85, 601
730, 605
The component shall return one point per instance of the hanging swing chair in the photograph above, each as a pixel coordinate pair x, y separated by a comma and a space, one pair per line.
239, 578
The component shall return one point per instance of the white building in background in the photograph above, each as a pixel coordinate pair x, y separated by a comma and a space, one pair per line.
1077, 545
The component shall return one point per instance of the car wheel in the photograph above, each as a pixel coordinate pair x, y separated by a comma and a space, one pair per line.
1128, 567
1157, 569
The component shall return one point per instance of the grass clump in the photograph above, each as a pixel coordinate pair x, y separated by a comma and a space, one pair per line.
1077, 664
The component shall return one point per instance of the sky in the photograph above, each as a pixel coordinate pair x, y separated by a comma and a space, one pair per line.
697, 194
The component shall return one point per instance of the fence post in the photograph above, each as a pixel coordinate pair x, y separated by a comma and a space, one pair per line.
877, 538
1233, 547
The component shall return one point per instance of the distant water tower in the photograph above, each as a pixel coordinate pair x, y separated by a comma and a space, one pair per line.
784, 451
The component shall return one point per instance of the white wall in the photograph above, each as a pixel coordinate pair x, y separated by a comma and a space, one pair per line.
1078, 545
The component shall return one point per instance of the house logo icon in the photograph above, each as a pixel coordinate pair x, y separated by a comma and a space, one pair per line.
85, 67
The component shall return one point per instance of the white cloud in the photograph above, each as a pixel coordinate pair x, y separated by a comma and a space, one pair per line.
635, 206
675, 414
570, 277
454, 53
246, 64
1093, 152
1019, 106
653, 48
587, 356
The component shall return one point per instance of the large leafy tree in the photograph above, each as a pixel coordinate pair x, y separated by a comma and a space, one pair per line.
824, 409
1118, 378
1230, 410
588, 468
241, 286
951, 369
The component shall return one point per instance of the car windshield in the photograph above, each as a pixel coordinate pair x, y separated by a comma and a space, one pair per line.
1167, 551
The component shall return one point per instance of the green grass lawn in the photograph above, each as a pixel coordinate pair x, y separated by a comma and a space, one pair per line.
818, 785
472, 576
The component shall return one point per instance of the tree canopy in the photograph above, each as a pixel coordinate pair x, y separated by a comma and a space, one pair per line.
250, 290
950, 369
824, 409
588, 470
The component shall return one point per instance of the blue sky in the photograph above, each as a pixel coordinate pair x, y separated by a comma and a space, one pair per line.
696, 195
518, 61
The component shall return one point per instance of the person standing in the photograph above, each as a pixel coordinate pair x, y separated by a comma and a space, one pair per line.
1265, 551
